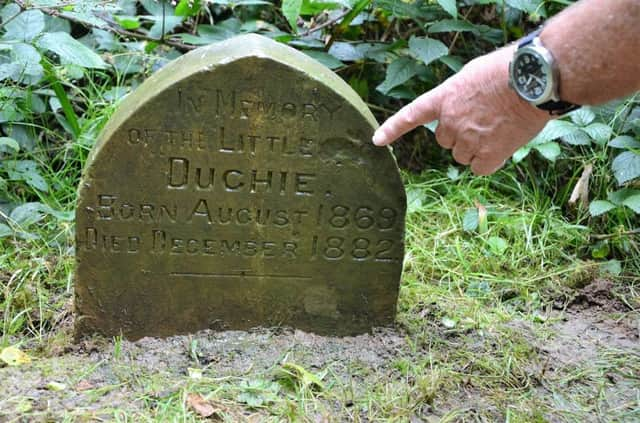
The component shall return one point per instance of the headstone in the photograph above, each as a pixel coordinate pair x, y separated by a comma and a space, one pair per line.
238, 187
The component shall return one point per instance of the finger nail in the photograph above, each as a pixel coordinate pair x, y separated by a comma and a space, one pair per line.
378, 139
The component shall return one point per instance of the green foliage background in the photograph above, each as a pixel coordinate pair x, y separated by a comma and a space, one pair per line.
65, 64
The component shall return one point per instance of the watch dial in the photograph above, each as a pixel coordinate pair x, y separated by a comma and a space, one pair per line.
530, 78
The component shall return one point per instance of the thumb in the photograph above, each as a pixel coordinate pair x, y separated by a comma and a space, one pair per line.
423, 109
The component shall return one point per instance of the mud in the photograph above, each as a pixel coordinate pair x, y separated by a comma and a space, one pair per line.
594, 342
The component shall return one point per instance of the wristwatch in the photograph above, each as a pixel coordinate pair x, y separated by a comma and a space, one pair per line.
533, 74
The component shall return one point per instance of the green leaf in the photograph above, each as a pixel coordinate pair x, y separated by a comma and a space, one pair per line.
291, 11
5, 231
598, 207
10, 143
554, 130
453, 173
449, 323
600, 250
578, 137
25, 27
618, 197
529, 6
583, 116
452, 25
626, 166
414, 199
27, 214
497, 245
550, 150
432, 126
325, 58
454, 62
521, 153
613, 267
470, 220
633, 203
187, 8
398, 72
427, 49
26, 170
449, 6
599, 132
70, 50
128, 22
624, 141
346, 52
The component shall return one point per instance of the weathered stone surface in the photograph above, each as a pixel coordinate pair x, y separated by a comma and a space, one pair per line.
235, 188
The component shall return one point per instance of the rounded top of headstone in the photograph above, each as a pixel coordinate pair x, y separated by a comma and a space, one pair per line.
207, 58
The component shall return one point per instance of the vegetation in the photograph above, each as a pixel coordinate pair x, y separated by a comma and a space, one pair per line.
493, 263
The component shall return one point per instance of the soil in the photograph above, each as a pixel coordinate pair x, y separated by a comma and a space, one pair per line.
87, 377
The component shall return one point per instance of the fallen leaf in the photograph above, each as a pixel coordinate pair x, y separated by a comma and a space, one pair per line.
84, 385
200, 405
14, 357
581, 190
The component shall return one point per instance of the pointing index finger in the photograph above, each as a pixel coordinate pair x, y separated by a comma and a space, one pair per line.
424, 109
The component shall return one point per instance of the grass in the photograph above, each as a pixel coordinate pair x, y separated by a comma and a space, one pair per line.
474, 313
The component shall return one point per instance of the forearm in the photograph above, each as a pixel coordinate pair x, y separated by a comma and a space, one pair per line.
596, 44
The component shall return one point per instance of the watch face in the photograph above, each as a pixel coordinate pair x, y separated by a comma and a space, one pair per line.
530, 75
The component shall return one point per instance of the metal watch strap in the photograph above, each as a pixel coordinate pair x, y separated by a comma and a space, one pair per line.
555, 108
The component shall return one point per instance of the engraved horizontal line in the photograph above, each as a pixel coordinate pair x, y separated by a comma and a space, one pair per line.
235, 275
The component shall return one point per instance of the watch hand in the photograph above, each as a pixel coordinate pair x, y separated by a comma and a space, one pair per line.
540, 81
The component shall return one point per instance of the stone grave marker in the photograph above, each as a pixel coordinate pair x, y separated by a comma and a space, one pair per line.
238, 187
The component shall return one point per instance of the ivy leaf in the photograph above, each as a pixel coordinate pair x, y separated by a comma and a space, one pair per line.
624, 141
550, 150
599, 132
633, 203
427, 49
626, 166
291, 11
25, 27
598, 207
398, 72
71, 50
449, 6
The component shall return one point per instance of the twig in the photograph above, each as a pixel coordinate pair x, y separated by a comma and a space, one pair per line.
618, 234
325, 24
455, 37
111, 27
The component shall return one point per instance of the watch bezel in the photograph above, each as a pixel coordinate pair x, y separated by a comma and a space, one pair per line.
548, 66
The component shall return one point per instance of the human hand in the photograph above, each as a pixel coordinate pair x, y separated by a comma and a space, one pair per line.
480, 118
